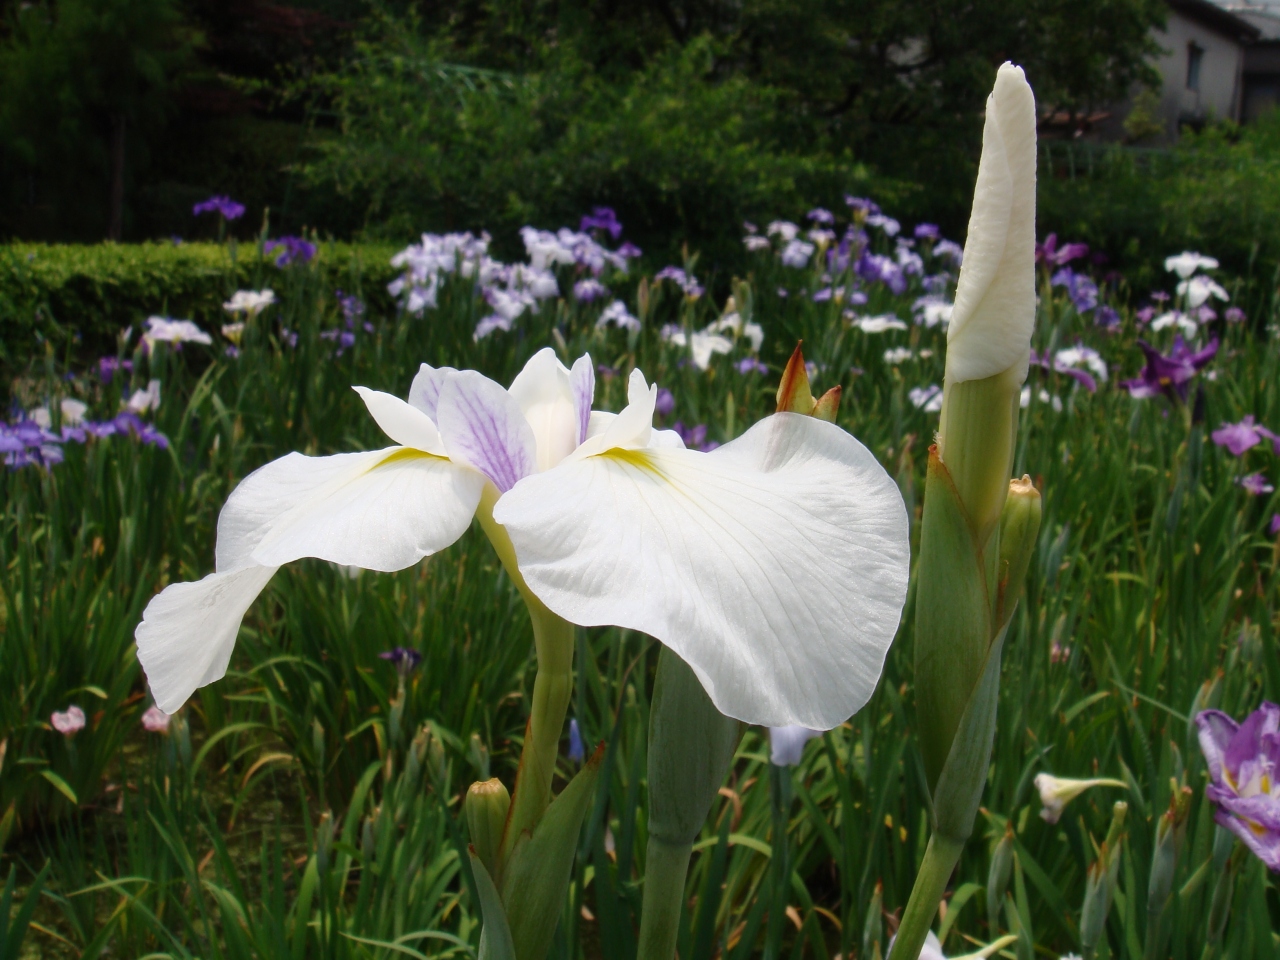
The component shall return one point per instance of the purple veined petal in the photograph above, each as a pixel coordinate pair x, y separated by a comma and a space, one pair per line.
1215, 730
424, 393
582, 381
1265, 845
1083, 377
484, 427
1247, 742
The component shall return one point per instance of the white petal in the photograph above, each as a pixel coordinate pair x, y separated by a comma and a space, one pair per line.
545, 395
995, 306
189, 629
383, 510
776, 566
405, 424
582, 381
483, 427
632, 429
424, 392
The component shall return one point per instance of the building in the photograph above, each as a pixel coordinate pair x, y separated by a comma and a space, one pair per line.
1261, 90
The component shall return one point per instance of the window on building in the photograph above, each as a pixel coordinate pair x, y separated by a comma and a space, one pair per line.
1195, 54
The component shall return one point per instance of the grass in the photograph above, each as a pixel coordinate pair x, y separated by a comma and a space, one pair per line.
309, 804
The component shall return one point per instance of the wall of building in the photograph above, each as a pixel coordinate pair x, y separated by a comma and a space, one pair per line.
1221, 66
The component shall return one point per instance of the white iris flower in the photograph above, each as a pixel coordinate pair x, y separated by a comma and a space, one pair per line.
776, 566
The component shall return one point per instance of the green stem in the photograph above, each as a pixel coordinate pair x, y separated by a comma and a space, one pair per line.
940, 858
666, 866
552, 688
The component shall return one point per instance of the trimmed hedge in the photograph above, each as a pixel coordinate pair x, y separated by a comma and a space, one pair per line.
78, 298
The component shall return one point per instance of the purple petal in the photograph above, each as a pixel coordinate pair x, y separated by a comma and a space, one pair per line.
582, 381
1247, 743
1215, 730
424, 393
1265, 846
1083, 377
482, 425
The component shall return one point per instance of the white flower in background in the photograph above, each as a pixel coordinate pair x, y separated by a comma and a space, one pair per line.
932, 949
785, 229
1082, 356
732, 323
796, 254
898, 355
233, 331
616, 314
821, 236
775, 566
73, 412
1187, 263
1199, 289
249, 302
786, 744
881, 324
928, 399
702, 345
932, 312
1043, 396
144, 400
165, 330
1057, 792
1176, 318
756, 243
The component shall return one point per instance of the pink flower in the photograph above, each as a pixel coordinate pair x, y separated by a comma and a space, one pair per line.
1059, 653
155, 720
70, 723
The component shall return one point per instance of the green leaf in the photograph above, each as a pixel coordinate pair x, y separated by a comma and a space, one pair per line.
495, 938
61, 785
536, 876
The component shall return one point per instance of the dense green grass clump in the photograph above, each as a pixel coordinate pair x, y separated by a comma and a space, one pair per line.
308, 804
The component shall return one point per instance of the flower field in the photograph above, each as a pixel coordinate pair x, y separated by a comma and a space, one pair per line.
311, 802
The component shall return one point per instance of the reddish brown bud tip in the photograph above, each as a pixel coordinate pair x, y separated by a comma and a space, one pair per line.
794, 395
828, 405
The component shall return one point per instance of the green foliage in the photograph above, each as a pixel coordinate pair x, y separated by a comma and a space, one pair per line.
78, 299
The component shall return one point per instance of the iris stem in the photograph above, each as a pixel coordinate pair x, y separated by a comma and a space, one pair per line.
666, 866
553, 641
940, 858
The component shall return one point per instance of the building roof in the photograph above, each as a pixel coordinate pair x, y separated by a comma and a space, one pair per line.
1265, 19
1226, 22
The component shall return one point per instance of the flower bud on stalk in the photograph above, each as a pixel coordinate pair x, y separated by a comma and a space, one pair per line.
1170, 830
998, 875
1100, 884
969, 576
487, 804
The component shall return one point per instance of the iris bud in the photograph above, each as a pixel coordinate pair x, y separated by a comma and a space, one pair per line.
1100, 884
486, 805
796, 396
998, 875
1019, 530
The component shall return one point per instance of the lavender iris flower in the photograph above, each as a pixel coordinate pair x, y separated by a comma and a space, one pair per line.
584, 291
1169, 375
602, 218
1239, 437
750, 365
1080, 288
1234, 315
822, 215
927, 231
108, 366
665, 405
222, 205
1275, 524
861, 205
1255, 484
688, 283
695, 437
875, 267
1107, 317
1051, 254
292, 250
404, 659
1242, 760
577, 753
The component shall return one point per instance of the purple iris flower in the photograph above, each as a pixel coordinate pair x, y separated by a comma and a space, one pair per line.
861, 204
584, 291
1145, 315
404, 659
1051, 254
1169, 375
688, 283
1243, 761
1234, 315
352, 307
875, 267
750, 365
223, 206
1080, 288
602, 218
1239, 437
1083, 377
822, 215
695, 438
1255, 484
1108, 318
292, 250
577, 753
1275, 524
108, 366
927, 231
665, 404
628, 250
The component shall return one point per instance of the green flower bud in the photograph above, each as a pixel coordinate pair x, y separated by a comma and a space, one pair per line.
1170, 830
486, 805
998, 875
795, 395
1100, 884
1019, 531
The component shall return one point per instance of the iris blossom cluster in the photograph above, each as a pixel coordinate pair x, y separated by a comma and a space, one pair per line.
290, 250
222, 205
511, 290
27, 443
1243, 759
